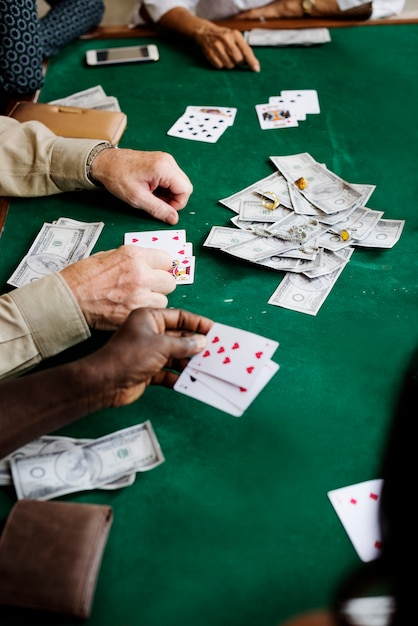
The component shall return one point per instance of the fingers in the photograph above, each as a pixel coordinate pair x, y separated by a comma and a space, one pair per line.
228, 48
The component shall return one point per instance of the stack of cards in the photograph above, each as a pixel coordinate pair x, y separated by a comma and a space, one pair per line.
357, 506
288, 109
172, 241
231, 371
203, 123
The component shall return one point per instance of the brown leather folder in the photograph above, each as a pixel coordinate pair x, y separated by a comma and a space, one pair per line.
73, 121
50, 555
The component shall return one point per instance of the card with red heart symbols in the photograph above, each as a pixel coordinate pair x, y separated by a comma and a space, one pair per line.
230, 372
234, 355
172, 241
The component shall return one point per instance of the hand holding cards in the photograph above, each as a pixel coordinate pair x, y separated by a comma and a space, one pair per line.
231, 371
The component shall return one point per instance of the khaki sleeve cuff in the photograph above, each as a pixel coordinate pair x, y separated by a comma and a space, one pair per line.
52, 314
69, 163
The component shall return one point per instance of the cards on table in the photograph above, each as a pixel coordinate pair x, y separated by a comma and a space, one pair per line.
357, 507
231, 371
287, 109
203, 123
172, 241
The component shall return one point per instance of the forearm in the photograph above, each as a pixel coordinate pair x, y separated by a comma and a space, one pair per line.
43, 402
182, 22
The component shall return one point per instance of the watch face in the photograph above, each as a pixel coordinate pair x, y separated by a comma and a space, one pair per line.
308, 5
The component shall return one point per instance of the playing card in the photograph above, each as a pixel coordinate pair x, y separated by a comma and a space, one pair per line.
274, 116
183, 270
172, 241
190, 386
305, 98
238, 396
226, 114
294, 106
234, 355
207, 128
357, 507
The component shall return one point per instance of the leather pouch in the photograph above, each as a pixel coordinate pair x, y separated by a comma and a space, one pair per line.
50, 555
73, 121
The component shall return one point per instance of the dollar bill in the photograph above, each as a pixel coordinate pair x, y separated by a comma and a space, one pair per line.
223, 237
326, 190
45, 445
384, 234
55, 247
87, 466
86, 98
288, 37
254, 211
274, 183
306, 295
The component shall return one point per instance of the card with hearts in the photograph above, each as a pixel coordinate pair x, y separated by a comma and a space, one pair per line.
357, 507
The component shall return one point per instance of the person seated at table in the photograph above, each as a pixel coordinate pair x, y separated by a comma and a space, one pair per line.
36, 162
27, 40
226, 47
150, 348
49, 315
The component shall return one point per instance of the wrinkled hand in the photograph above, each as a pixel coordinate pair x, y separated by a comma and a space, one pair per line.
224, 47
109, 285
146, 350
151, 181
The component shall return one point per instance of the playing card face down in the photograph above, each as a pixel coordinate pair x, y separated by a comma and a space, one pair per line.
357, 507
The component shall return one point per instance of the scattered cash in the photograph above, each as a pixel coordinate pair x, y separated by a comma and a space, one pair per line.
307, 221
63, 467
57, 245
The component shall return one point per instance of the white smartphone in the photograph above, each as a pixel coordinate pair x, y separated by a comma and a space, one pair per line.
127, 54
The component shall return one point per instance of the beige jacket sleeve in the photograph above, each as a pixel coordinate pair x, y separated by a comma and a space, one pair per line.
38, 321
36, 162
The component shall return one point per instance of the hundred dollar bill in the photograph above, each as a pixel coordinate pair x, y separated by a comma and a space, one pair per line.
291, 264
254, 211
359, 223
306, 295
331, 261
88, 466
274, 183
47, 444
55, 247
288, 37
384, 234
85, 98
326, 190
222, 237
110, 103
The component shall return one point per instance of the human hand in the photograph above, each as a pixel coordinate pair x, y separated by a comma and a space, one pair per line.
146, 350
109, 285
224, 47
151, 181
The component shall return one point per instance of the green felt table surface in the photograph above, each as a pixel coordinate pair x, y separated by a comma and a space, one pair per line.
235, 528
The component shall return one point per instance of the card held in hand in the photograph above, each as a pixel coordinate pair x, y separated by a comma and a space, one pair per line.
50, 555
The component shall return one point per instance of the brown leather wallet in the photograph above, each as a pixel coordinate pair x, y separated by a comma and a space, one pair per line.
73, 121
50, 555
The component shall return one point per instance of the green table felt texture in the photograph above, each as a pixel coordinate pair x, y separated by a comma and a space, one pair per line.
235, 528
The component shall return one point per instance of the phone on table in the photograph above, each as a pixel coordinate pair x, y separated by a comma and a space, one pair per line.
126, 54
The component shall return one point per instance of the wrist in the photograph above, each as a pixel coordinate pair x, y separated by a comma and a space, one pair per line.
94, 152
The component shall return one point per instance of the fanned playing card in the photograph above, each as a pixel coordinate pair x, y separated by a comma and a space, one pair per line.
357, 507
231, 371
234, 355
